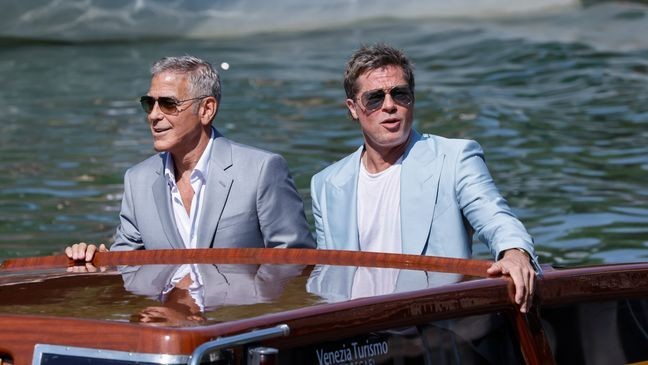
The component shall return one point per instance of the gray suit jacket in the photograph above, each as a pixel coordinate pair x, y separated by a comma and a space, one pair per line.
446, 193
250, 201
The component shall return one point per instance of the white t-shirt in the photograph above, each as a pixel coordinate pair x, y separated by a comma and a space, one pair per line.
379, 224
379, 227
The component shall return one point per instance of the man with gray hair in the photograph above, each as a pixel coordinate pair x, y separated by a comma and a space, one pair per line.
201, 190
411, 193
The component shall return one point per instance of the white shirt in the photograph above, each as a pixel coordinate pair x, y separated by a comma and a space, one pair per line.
188, 223
379, 224
379, 227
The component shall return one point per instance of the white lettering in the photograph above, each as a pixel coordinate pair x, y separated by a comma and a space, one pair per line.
333, 357
370, 349
361, 355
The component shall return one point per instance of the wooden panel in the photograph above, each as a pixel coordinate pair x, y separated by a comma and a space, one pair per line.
593, 283
19, 335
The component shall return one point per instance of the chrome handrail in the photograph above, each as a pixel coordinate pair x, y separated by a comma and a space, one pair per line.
219, 343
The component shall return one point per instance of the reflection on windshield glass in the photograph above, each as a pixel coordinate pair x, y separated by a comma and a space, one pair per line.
339, 283
185, 292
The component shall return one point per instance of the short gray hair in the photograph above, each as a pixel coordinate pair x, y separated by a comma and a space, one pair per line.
203, 78
373, 57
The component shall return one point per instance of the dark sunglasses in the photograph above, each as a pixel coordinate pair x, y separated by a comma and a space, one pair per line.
374, 99
168, 104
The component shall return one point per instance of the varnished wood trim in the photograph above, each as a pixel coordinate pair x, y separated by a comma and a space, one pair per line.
263, 256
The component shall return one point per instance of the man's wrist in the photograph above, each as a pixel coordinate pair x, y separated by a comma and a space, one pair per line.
523, 251
532, 261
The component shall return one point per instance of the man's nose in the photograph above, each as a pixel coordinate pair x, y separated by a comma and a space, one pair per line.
155, 114
388, 103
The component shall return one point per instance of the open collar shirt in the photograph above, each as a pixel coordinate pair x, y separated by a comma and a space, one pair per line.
188, 223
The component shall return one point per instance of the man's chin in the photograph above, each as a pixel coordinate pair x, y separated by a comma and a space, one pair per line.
393, 141
159, 146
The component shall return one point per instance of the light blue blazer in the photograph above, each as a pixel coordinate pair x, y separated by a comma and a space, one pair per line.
447, 194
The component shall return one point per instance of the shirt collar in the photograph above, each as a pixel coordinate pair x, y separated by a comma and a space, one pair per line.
201, 168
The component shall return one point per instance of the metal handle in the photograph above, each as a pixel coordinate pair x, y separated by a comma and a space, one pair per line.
222, 342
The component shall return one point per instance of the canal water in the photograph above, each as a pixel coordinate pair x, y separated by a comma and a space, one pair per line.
555, 91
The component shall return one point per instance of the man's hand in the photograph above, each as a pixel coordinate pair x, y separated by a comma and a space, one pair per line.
517, 265
83, 251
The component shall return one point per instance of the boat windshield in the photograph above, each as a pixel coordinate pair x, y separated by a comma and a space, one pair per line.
198, 294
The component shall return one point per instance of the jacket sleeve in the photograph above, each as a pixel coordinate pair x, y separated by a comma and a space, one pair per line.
280, 208
317, 213
127, 236
483, 206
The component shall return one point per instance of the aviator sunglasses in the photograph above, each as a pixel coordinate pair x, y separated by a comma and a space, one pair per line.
374, 99
168, 104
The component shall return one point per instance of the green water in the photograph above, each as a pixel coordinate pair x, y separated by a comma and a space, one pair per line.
559, 103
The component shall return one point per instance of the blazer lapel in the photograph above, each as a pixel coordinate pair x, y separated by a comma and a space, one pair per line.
217, 190
419, 185
342, 198
162, 199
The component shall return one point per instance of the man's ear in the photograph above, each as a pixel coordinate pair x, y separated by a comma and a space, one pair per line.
208, 110
352, 108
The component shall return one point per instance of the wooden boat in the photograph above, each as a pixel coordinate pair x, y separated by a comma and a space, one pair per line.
285, 306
